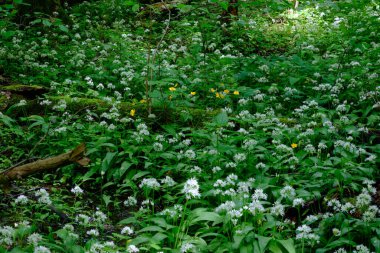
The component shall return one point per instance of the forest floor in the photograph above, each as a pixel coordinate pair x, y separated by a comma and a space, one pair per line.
255, 133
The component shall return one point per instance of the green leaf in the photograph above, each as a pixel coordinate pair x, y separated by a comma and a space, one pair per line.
123, 168
135, 7
221, 119
140, 174
376, 243
293, 80
152, 229
46, 22
63, 28
208, 216
288, 245
274, 247
263, 242
107, 199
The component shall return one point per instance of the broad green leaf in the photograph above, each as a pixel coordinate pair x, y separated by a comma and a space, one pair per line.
135, 7
221, 119
151, 229
107, 199
263, 242
140, 174
288, 245
293, 80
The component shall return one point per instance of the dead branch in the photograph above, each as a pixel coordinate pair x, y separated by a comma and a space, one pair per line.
74, 156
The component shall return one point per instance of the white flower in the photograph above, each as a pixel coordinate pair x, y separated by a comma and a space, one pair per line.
240, 157
186, 247
151, 183
127, 230
158, 146
22, 200
131, 201
288, 192
216, 169
190, 154
340, 250
364, 199
41, 249
336, 232
255, 207
277, 209
132, 249
93, 232
82, 219
361, 249
298, 202
34, 239
77, 190
259, 194
191, 189
6, 235
304, 232
168, 181
100, 216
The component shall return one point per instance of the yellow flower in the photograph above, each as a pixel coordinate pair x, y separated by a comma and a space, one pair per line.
236, 92
193, 93
212, 90
226, 91
219, 95
142, 101
294, 145
172, 88
132, 113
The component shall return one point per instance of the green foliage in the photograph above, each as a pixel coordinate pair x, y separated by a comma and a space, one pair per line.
260, 135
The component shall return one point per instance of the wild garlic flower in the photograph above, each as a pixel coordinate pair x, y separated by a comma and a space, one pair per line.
240, 157
361, 249
150, 183
191, 188
298, 202
340, 250
22, 200
41, 249
259, 194
100, 216
288, 192
186, 247
127, 230
83, 219
168, 181
278, 209
132, 249
304, 232
34, 239
93, 232
158, 146
255, 207
131, 201
190, 154
336, 232
6, 235
364, 199
43, 197
77, 190
226, 206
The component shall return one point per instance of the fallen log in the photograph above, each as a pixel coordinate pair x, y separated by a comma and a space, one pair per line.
74, 156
